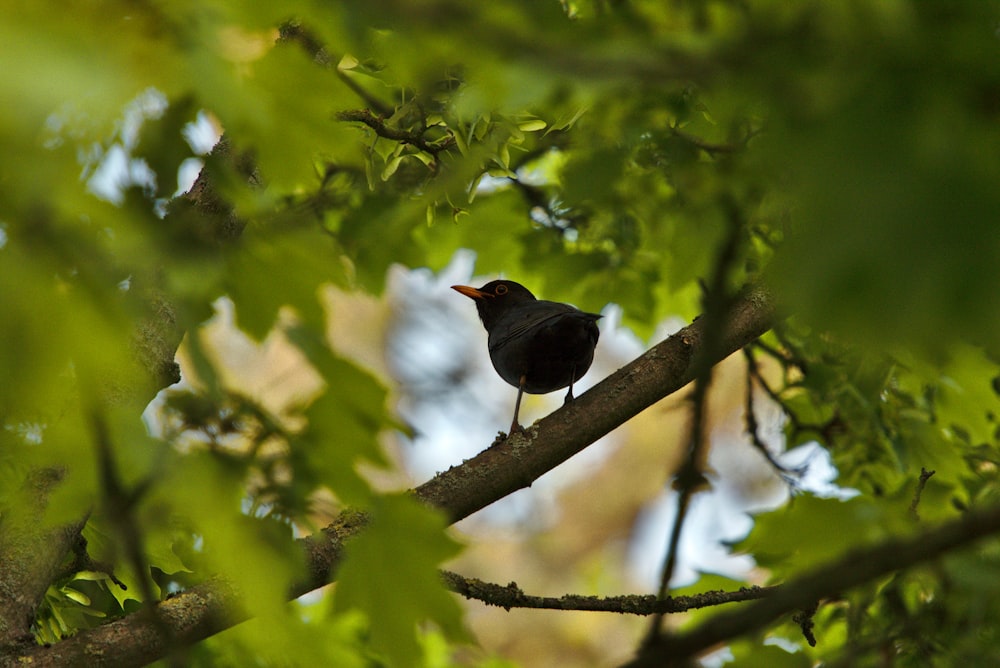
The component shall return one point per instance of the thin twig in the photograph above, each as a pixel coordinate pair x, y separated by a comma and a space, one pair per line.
775, 395
690, 479
119, 504
380, 127
804, 618
925, 475
782, 337
295, 32
82, 561
754, 370
511, 596
791, 475
713, 148
783, 356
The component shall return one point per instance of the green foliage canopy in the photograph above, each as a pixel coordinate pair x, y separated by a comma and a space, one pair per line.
600, 152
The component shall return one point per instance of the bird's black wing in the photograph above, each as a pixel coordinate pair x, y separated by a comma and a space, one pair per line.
534, 316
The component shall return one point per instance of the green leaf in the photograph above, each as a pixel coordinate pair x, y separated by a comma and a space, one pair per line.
268, 113
592, 175
344, 423
753, 654
380, 232
533, 125
810, 531
75, 595
965, 398
271, 270
208, 496
391, 166
298, 630
390, 572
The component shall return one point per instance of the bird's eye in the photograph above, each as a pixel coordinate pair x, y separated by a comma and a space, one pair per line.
501, 289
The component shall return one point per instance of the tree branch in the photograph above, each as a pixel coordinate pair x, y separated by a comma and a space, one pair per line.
382, 129
518, 461
711, 148
292, 31
791, 475
511, 596
119, 502
689, 478
853, 569
925, 475
503, 468
31, 554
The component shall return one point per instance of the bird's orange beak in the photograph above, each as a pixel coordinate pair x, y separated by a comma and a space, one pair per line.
470, 292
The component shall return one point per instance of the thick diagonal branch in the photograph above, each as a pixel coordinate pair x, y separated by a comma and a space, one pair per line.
660, 371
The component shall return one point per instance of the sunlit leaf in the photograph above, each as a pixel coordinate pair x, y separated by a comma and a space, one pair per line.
390, 574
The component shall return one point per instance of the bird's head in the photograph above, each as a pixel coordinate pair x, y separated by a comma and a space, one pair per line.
494, 298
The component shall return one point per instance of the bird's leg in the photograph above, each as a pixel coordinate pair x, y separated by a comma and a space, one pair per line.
569, 395
515, 426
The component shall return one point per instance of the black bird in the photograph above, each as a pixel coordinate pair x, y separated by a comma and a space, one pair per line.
537, 346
